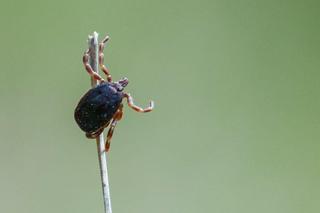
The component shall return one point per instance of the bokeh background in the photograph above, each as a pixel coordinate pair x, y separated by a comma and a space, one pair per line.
236, 126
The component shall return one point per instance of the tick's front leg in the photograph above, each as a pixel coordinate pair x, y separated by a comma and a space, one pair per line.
135, 107
101, 57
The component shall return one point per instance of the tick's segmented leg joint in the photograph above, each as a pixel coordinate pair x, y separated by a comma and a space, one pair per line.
101, 59
135, 107
92, 73
117, 117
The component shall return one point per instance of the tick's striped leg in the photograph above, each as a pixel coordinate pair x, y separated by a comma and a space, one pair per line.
89, 69
96, 134
135, 107
101, 57
117, 117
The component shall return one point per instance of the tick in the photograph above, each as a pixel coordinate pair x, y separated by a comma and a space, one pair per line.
101, 106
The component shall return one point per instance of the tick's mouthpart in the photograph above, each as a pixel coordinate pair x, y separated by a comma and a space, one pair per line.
123, 82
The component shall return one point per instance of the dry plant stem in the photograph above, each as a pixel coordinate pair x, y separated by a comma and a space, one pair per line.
93, 60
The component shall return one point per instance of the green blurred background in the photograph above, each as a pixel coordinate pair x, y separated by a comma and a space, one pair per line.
236, 126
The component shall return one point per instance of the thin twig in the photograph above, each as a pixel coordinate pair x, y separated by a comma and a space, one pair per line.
94, 47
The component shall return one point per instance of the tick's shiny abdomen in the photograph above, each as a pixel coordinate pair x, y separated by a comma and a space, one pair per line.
97, 107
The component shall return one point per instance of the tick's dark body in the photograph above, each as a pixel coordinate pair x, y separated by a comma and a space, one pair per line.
97, 107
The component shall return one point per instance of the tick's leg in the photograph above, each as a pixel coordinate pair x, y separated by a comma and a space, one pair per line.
135, 107
117, 117
88, 67
96, 134
101, 57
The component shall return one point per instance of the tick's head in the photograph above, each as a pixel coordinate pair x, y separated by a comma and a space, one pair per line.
121, 84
